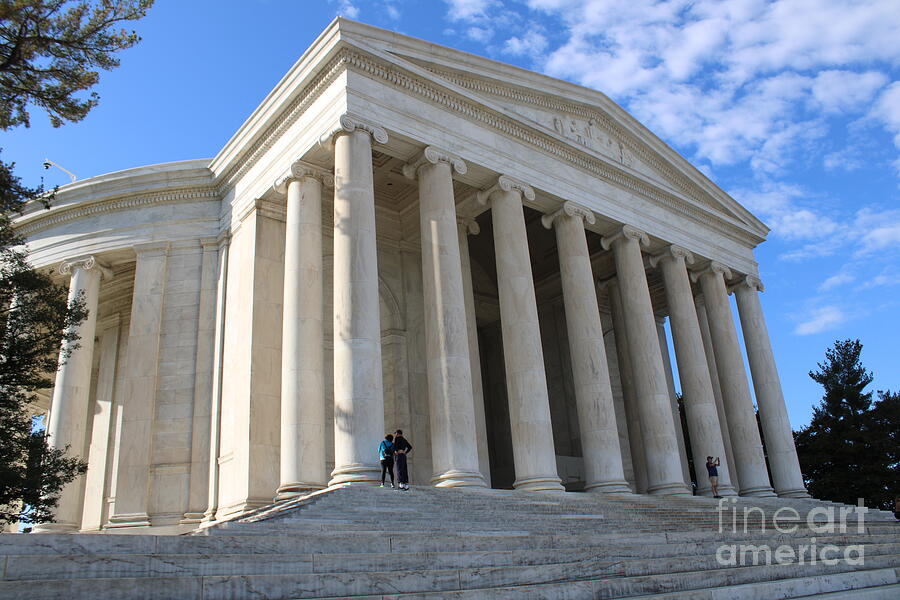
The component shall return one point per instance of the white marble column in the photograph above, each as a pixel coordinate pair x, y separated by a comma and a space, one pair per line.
717, 389
454, 446
198, 499
215, 409
773, 415
465, 227
629, 395
664, 474
534, 455
752, 476
693, 371
358, 388
101, 453
131, 505
602, 456
67, 426
673, 400
302, 353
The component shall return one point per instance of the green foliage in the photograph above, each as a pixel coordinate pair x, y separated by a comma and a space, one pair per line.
50, 52
849, 449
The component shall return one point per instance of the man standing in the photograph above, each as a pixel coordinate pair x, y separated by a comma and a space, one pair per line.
713, 469
401, 449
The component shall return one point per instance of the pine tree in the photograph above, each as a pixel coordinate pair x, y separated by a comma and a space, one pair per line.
50, 52
843, 452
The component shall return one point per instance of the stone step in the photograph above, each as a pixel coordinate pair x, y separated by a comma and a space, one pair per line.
632, 561
601, 578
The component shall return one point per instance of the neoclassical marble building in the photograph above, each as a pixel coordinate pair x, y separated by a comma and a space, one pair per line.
404, 235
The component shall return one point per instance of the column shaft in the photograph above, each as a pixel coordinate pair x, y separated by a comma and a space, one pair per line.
135, 443
664, 474
101, 453
302, 354
451, 406
198, 499
746, 444
529, 403
602, 456
703, 320
776, 426
484, 459
215, 410
629, 395
358, 388
673, 400
696, 385
67, 426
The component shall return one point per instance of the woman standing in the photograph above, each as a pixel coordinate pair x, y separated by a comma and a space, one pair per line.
401, 449
386, 455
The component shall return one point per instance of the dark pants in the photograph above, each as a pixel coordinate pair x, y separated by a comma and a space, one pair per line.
402, 473
387, 466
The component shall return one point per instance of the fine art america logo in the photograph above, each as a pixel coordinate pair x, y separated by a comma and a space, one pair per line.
825, 521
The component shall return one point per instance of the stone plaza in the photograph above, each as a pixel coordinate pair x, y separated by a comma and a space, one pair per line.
407, 236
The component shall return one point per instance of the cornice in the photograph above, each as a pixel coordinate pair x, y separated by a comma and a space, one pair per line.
357, 60
65, 214
603, 119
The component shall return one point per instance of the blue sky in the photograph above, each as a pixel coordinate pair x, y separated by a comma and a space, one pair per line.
791, 106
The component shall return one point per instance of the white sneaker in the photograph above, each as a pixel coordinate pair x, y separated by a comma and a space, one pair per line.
382, 485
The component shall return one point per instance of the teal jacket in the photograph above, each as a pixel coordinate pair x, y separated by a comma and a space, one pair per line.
385, 450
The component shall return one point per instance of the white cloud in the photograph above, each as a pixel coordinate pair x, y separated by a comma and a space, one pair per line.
839, 91
467, 10
532, 43
392, 11
346, 8
737, 81
837, 280
480, 34
877, 231
820, 319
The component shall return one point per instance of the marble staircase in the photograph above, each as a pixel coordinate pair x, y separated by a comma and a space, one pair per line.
372, 543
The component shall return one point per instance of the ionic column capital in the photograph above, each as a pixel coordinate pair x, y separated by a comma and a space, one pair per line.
627, 232
300, 170
751, 281
569, 209
433, 155
673, 251
713, 267
85, 263
348, 124
505, 183
471, 225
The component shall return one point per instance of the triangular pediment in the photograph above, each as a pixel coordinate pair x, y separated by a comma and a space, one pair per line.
586, 120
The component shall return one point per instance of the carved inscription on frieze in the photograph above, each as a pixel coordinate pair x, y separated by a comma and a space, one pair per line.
586, 133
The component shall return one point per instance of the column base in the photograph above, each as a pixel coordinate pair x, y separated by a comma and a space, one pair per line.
129, 520
287, 491
539, 483
796, 493
608, 487
192, 518
458, 478
758, 492
724, 491
669, 489
55, 528
358, 473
